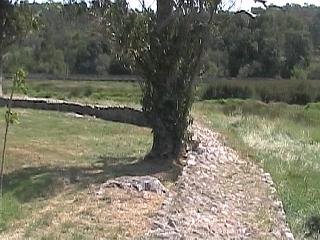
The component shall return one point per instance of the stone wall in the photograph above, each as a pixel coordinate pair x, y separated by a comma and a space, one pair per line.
115, 114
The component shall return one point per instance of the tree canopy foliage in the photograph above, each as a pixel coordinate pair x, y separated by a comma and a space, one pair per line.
270, 45
16, 20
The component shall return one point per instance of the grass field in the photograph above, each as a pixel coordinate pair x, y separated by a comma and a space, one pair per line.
103, 92
115, 92
284, 139
266, 90
53, 158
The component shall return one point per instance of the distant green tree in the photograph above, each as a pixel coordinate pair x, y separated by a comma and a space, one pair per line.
7, 32
270, 44
297, 51
16, 20
243, 50
86, 60
268, 34
19, 57
315, 30
270, 57
254, 46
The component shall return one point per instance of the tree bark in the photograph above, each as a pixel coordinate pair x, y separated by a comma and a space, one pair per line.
164, 10
167, 144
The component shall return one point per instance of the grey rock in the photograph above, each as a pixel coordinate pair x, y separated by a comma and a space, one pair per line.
139, 183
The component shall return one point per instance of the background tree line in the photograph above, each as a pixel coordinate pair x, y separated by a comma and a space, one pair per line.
277, 43
69, 41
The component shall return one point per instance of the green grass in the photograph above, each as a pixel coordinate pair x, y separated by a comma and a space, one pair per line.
47, 148
267, 90
284, 139
108, 92
87, 91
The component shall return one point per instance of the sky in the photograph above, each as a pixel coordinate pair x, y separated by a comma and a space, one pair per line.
240, 4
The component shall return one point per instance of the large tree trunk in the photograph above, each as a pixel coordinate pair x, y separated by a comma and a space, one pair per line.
167, 145
164, 10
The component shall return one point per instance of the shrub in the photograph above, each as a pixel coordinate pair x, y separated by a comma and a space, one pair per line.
314, 71
299, 73
250, 70
299, 94
244, 71
272, 93
287, 91
220, 90
87, 91
117, 67
75, 92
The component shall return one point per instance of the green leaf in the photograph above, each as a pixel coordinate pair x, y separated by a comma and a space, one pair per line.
19, 80
11, 117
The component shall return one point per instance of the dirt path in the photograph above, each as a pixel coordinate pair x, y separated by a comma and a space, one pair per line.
220, 196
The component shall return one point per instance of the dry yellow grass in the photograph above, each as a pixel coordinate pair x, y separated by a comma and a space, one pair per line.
117, 214
52, 161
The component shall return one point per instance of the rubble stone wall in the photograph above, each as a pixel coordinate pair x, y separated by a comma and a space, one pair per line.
115, 114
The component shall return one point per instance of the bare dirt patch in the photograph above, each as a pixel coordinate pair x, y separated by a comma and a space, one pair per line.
117, 214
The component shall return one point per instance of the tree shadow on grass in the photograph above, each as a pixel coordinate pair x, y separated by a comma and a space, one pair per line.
44, 182
134, 167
